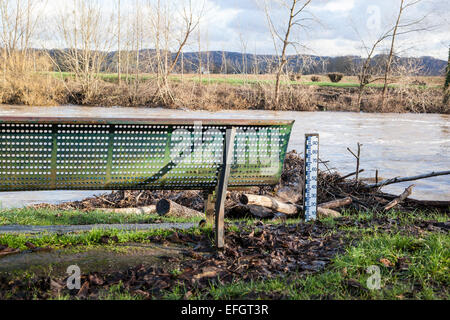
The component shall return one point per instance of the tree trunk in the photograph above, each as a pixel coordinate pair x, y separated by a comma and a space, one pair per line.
336, 203
390, 57
139, 210
168, 208
327, 213
269, 202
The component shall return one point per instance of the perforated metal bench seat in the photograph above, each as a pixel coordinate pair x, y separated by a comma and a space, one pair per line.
147, 154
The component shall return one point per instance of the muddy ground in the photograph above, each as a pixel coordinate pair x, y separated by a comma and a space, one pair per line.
253, 252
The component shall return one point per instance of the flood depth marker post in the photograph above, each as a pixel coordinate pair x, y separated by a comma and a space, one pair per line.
311, 173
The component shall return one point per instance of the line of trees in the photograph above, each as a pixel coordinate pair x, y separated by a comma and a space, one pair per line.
152, 36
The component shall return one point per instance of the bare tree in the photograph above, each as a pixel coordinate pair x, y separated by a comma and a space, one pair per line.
86, 33
168, 20
447, 81
295, 9
367, 72
18, 20
399, 28
119, 31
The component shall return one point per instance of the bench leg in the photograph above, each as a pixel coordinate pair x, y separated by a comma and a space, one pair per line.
223, 185
209, 207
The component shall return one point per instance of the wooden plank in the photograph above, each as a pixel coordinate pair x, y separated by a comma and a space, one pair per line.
222, 186
208, 196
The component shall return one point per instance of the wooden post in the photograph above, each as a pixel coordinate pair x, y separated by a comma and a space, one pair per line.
222, 186
208, 196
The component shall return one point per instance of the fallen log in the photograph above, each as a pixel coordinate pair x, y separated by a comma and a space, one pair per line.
6, 251
327, 213
400, 199
336, 203
290, 194
139, 210
413, 178
169, 208
439, 204
269, 202
261, 212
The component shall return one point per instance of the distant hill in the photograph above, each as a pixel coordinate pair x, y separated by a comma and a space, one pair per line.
235, 62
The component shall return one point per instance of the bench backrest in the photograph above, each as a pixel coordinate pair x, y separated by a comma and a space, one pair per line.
145, 154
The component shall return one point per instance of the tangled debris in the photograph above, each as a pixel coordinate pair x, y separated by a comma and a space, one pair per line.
331, 186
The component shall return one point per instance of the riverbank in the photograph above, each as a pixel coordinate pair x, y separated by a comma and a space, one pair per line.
215, 92
277, 260
277, 257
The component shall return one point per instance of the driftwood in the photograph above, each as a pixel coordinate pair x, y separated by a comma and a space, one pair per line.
397, 180
290, 194
350, 175
261, 212
400, 199
358, 158
169, 208
269, 202
8, 251
139, 210
326, 213
438, 204
323, 210
336, 203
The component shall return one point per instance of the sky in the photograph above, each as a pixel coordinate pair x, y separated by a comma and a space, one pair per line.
331, 27
334, 27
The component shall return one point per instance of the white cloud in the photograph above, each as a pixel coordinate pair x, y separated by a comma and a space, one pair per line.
337, 6
231, 23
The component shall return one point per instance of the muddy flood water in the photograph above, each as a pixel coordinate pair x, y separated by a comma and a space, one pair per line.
395, 144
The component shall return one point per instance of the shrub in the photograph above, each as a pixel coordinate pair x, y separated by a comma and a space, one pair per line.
295, 77
315, 79
335, 76
365, 79
419, 83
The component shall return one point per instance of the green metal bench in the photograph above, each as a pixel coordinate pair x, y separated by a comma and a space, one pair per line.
39, 153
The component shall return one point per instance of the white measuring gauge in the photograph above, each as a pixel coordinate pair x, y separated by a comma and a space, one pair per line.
311, 172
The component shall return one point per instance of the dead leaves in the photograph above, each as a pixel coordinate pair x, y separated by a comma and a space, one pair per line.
107, 239
6, 251
265, 252
83, 292
386, 262
401, 264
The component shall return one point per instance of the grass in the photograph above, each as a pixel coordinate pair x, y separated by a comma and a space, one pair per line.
424, 275
238, 80
91, 238
48, 217
426, 278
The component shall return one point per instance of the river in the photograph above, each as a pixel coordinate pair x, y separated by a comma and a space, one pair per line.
395, 144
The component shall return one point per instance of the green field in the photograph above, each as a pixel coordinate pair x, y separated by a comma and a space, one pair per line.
240, 80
